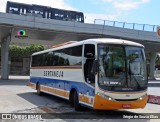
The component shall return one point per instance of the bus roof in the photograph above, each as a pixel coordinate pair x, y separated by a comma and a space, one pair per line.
114, 41
96, 41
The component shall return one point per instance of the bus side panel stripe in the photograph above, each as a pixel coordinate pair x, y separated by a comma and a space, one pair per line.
81, 87
52, 86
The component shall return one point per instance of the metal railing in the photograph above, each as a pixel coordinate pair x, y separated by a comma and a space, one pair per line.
134, 26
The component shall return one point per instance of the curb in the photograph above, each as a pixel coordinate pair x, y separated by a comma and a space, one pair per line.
154, 99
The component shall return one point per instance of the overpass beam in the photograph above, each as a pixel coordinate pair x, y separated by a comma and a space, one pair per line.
152, 64
4, 57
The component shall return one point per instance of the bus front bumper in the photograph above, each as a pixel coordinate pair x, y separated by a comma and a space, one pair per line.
105, 104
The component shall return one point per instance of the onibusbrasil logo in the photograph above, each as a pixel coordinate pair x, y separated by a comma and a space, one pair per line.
21, 34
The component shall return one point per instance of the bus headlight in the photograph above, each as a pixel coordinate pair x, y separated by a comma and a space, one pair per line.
105, 96
142, 97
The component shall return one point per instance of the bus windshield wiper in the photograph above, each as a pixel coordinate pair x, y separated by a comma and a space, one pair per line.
139, 86
117, 83
130, 74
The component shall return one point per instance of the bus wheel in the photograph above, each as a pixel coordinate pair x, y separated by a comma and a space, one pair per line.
77, 106
71, 98
39, 89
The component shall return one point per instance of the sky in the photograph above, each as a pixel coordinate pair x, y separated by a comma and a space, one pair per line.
131, 11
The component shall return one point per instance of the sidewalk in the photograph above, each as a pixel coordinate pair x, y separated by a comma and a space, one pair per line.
154, 91
18, 77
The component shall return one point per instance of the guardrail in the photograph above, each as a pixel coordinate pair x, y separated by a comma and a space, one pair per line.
134, 26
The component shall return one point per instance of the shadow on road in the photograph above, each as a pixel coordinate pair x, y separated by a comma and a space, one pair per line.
46, 100
58, 108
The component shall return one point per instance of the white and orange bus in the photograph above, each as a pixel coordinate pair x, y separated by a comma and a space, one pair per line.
104, 74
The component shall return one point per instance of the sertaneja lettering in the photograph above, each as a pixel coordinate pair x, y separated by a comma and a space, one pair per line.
53, 73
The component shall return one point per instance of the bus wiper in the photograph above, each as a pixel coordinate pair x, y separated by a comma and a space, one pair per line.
130, 74
117, 83
139, 86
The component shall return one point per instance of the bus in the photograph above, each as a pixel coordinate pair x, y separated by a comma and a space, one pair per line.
43, 12
101, 74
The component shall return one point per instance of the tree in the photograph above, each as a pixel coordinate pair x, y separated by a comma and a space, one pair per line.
19, 51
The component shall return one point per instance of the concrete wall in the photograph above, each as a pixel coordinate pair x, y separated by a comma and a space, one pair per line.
41, 24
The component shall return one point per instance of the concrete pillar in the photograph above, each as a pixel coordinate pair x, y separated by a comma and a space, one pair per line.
4, 57
152, 65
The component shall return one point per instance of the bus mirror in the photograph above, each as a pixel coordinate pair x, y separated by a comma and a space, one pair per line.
95, 67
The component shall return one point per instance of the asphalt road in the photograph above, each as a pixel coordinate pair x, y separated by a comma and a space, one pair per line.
16, 97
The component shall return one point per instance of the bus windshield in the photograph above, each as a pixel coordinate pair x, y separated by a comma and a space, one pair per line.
122, 68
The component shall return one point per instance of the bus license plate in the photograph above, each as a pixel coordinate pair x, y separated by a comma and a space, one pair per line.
126, 105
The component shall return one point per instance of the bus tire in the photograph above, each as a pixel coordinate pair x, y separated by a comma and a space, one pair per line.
77, 106
39, 90
71, 98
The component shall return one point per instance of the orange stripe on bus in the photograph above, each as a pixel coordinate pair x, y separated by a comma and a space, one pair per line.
32, 85
55, 91
62, 44
61, 93
82, 98
85, 99
66, 94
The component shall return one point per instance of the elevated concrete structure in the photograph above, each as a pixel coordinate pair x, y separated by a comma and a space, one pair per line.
55, 31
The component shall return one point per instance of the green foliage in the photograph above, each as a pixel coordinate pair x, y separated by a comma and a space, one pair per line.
18, 51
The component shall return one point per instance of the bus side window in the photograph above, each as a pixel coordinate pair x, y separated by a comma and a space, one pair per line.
21, 11
13, 10
75, 56
49, 59
55, 60
33, 61
89, 57
46, 14
25, 11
